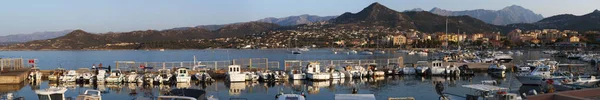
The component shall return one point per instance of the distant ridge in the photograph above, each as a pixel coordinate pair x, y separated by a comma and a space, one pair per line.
587, 22
508, 15
16, 38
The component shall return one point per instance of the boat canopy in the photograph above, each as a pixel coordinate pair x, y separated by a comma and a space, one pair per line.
483, 87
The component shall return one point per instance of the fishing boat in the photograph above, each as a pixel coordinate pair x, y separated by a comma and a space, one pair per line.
56, 74
313, 72
52, 93
234, 74
71, 76
297, 74
422, 67
35, 74
186, 94
182, 75
90, 95
437, 68
116, 76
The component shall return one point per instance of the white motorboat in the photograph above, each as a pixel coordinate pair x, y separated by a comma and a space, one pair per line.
334, 73
251, 76
56, 74
303, 49
52, 93
353, 51
280, 75
437, 68
452, 70
71, 76
422, 53
90, 95
203, 76
296, 74
35, 74
354, 72
366, 52
379, 52
116, 76
354, 97
234, 74
132, 77
163, 76
503, 58
411, 53
518, 53
101, 76
422, 67
182, 75
265, 75
372, 71
536, 77
408, 70
572, 83
283, 96
84, 75
490, 92
313, 72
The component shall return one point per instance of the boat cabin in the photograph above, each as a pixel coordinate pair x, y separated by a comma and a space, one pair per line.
52, 93
436, 63
234, 69
182, 71
313, 67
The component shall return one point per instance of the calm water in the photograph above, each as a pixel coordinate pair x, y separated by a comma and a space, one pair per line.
399, 86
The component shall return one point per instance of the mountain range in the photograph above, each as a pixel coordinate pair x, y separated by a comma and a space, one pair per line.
16, 38
81, 40
508, 15
587, 22
379, 15
373, 16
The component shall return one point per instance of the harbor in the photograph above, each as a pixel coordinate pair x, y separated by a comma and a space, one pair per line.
387, 75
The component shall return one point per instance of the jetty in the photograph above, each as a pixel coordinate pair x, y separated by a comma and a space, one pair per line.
14, 70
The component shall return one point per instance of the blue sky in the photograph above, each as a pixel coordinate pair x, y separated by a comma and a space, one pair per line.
27, 16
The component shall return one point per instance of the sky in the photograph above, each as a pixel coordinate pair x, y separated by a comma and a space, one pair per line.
99, 16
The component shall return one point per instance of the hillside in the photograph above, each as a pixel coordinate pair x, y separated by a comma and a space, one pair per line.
379, 15
508, 15
587, 22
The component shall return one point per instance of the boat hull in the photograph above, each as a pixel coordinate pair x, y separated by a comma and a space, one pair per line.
318, 76
236, 77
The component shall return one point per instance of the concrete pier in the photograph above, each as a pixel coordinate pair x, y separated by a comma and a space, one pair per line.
15, 76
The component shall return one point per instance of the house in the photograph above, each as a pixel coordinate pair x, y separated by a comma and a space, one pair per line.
399, 40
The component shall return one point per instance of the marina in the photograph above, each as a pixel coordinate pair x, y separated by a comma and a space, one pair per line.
386, 75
